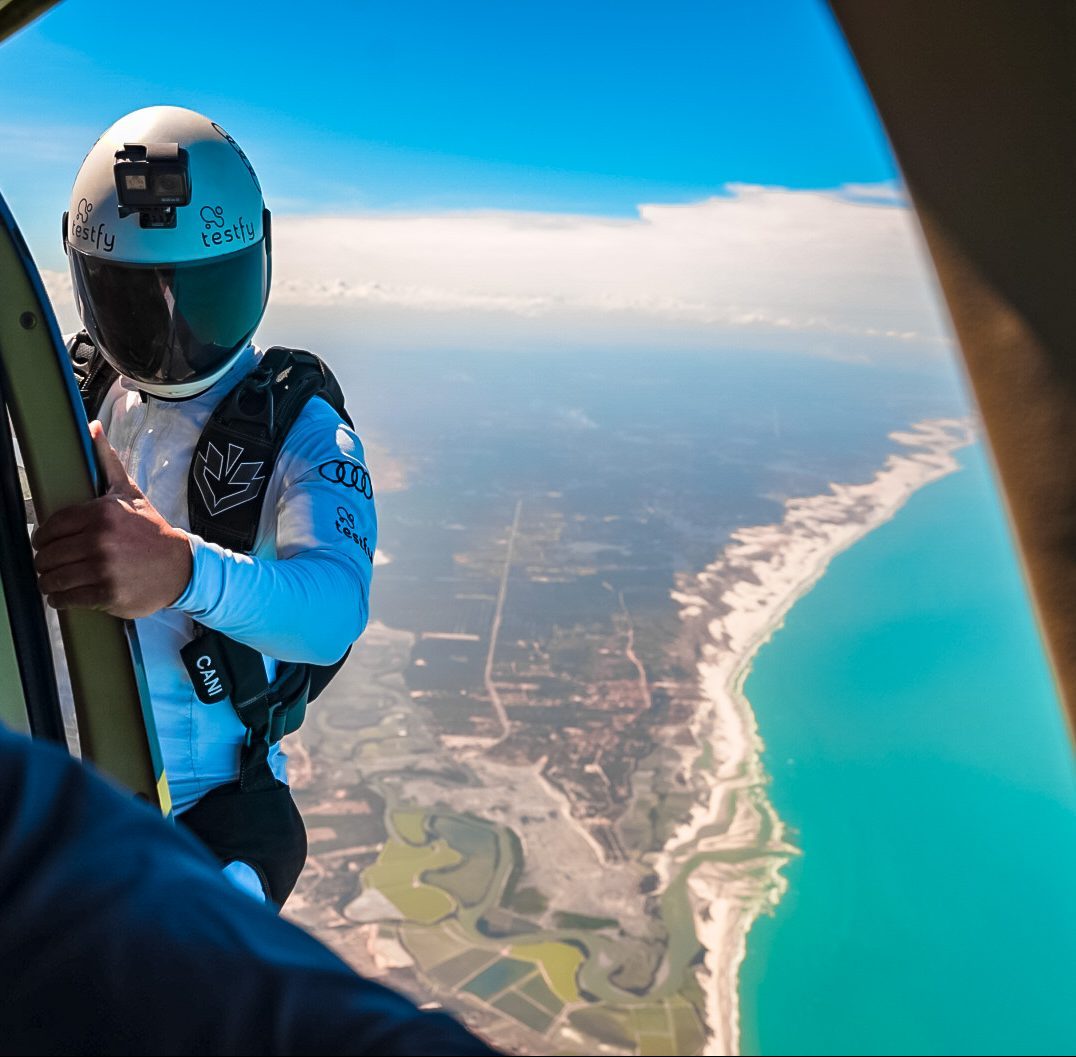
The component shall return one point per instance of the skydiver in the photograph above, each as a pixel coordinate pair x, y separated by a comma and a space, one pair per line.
219, 533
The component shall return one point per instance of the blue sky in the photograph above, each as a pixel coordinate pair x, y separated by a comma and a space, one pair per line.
583, 107
512, 172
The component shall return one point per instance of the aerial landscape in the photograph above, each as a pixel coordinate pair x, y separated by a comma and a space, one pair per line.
534, 795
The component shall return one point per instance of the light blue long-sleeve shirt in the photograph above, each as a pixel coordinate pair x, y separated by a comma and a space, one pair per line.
302, 594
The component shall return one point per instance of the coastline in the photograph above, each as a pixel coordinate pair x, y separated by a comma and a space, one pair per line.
731, 609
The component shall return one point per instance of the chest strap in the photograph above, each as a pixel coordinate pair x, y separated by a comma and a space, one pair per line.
226, 489
220, 668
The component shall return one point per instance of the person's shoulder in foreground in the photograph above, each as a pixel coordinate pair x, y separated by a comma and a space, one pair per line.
118, 934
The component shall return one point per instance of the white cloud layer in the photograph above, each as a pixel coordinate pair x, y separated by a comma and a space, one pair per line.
829, 273
842, 264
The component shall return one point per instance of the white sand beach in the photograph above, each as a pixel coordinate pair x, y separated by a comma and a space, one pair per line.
743, 597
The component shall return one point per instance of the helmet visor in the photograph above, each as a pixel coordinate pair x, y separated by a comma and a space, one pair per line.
172, 323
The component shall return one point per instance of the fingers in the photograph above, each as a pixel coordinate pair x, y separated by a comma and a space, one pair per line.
68, 550
71, 577
70, 521
77, 519
94, 596
115, 475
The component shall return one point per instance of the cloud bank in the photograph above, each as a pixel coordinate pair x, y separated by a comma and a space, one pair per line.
843, 264
830, 273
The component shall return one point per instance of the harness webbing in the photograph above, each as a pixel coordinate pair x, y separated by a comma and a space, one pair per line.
227, 482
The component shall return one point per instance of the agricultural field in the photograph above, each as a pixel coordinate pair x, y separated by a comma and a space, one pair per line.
397, 876
419, 876
447, 876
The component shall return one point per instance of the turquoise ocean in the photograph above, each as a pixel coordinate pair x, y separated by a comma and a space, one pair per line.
922, 766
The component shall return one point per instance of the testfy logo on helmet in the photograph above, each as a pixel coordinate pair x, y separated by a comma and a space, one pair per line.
167, 238
214, 218
94, 234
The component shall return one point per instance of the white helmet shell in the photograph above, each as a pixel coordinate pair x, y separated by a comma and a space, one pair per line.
172, 297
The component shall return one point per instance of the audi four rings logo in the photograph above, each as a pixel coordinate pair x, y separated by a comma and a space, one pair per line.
349, 474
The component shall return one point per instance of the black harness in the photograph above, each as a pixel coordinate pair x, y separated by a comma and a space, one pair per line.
232, 463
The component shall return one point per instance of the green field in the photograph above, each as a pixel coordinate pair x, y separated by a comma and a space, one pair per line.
500, 975
448, 875
461, 967
410, 826
538, 991
605, 1025
515, 1005
565, 919
430, 947
469, 881
687, 1027
653, 1020
559, 961
655, 1028
397, 873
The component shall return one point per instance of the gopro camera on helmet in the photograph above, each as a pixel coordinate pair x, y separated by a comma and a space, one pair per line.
171, 310
151, 180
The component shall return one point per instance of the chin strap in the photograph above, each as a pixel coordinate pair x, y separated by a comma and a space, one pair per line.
94, 374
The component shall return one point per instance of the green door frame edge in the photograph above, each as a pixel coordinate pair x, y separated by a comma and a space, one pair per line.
116, 728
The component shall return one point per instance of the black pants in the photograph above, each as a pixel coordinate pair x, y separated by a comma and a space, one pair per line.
263, 829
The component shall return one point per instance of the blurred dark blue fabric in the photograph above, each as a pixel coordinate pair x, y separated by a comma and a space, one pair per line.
118, 934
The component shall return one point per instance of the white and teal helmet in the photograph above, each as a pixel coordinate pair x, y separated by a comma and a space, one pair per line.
168, 240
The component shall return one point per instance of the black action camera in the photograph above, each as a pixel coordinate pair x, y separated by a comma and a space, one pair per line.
152, 179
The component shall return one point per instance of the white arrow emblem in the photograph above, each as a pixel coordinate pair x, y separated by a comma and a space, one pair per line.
225, 486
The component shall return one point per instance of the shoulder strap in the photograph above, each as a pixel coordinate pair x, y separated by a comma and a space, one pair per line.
234, 457
241, 441
93, 373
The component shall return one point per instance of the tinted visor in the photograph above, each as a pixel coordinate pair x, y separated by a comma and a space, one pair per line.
175, 323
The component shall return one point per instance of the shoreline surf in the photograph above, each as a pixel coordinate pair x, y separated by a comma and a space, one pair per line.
733, 607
